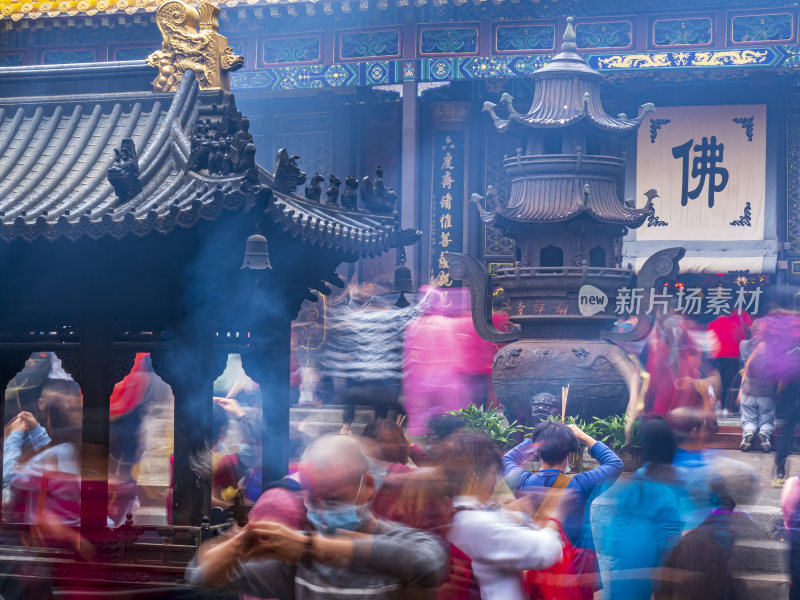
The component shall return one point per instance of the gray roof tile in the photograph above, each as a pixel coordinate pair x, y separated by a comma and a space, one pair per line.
55, 152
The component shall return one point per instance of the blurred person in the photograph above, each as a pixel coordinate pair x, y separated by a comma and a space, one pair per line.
129, 438
348, 553
643, 524
21, 430
679, 374
231, 473
790, 508
423, 499
787, 417
282, 501
756, 398
699, 566
46, 487
625, 323
778, 362
500, 543
442, 428
728, 332
382, 397
363, 349
553, 442
130, 400
688, 428
389, 450
25, 389
693, 461
446, 365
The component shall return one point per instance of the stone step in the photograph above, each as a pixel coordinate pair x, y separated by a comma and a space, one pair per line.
313, 422
726, 441
763, 520
328, 414
764, 556
755, 585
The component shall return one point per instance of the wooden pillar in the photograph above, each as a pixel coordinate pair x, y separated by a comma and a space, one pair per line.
96, 389
409, 206
190, 368
267, 362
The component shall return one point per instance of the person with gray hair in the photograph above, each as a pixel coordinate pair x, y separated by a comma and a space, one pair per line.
349, 553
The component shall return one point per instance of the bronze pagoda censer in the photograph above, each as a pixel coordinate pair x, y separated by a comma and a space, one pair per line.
565, 213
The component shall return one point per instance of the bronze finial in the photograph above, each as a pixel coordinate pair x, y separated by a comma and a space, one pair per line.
568, 41
183, 47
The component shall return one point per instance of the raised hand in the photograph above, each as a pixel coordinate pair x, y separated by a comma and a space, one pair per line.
230, 406
265, 539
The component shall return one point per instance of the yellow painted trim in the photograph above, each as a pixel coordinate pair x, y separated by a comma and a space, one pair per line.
10, 9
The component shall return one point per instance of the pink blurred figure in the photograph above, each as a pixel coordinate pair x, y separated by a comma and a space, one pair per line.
446, 365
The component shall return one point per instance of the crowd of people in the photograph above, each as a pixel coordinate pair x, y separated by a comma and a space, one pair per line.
514, 524
461, 519
457, 515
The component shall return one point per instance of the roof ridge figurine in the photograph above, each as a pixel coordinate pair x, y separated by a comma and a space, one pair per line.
313, 190
350, 194
287, 175
123, 175
376, 196
332, 193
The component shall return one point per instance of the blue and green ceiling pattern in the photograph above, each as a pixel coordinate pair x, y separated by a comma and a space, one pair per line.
366, 46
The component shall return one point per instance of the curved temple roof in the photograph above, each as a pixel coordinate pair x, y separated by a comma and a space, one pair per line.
550, 200
567, 91
55, 152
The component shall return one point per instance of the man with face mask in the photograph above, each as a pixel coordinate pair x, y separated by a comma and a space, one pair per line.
348, 553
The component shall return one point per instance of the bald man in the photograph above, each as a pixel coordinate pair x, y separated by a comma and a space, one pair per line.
348, 554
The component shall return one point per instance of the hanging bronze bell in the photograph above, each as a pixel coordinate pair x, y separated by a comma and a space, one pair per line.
256, 253
402, 280
402, 285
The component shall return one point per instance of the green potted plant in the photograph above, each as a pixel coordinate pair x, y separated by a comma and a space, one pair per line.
612, 431
492, 423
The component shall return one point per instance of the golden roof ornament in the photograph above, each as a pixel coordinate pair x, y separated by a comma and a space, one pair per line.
205, 52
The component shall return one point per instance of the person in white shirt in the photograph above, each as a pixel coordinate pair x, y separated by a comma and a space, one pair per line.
501, 543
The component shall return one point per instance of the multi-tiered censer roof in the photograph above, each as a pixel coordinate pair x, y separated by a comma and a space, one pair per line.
558, 186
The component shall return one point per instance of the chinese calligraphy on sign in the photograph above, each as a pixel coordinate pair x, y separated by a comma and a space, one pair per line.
691, 301
706, 168
447, 203
705, 164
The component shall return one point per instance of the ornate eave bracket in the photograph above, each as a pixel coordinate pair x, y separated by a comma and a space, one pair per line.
488, 218
183, 47
661, 266
470, 271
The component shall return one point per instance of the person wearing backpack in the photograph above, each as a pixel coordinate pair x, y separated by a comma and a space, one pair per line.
553, 442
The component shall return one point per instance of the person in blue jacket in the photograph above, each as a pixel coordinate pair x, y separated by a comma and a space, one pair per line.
553, 442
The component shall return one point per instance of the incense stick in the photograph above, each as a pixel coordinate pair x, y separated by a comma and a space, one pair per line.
564, 396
